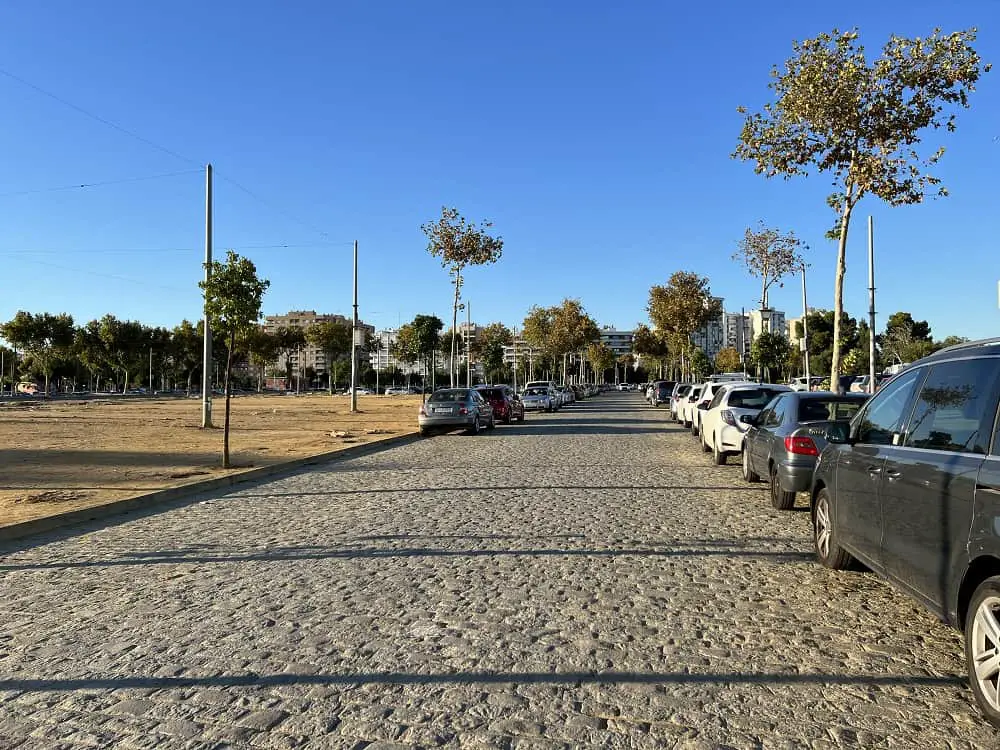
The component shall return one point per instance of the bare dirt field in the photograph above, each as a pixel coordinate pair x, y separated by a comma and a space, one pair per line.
57, 456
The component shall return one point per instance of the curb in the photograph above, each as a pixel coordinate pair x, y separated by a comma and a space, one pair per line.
157, 497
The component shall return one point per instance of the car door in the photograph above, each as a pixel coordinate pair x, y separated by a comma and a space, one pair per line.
780, 408
856, 508
928, 483
755, 440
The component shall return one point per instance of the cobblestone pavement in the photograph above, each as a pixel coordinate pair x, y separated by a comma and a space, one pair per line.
587, 579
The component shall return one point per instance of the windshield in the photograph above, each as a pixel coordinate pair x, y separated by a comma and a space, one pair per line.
449, 396
822, 410
537, 392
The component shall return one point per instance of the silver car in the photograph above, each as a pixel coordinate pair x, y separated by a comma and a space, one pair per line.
453, 408
538, 398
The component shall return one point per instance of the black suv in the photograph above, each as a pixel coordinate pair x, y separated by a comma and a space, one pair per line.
911, 488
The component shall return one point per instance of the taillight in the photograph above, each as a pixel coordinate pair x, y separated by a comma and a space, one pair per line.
801, 446
463, 410
728, 417
423, 412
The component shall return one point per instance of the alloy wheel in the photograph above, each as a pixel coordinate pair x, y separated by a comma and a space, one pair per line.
822, 526
986, 650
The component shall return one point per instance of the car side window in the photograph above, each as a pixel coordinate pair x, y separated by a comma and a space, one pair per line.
956, 406
881, 421
717, 398
777, 414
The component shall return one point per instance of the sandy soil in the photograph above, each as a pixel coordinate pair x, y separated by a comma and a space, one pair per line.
63, 455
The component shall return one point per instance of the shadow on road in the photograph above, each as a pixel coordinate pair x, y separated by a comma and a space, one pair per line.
568, 679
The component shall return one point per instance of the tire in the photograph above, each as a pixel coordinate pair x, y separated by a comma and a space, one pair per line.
694, 428
749, 474
828, 552
425, 432
474, 430
550, 409
780, 499
493, 423
718, 457
509, 418
705, 447
982, 641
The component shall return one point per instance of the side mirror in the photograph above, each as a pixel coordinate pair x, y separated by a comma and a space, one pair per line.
749, 419
838, 433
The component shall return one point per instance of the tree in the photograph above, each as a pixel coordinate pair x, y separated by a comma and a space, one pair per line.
821, 331
905, 339
537, 328
489, 347
290, 339
769, 256
187, 343
459, 244
651, 345
46, 337
334, 340
418, 340
124, 343
728, 360
263, 348
572, 330
861, 122
701, 365
769, 352
233, 298
682, 306
601, 358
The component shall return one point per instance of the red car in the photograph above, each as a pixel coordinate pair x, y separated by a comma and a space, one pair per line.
507, 406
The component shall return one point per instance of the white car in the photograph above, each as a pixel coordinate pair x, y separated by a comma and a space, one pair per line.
687, 405
681, 390
722, 430
800, 384
708, 391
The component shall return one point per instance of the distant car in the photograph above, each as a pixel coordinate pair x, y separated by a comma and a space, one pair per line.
507, 405
397, 390
680, 391
453, 408
538, 398
801, 384
783, 441
568, 394
661, 393
688, 404
723, 428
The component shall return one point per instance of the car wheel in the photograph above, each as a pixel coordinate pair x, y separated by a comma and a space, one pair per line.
828, 551
549, 409
780, 499
748, 474
718, 457
474, 430
694, 428
705, 447
509, 418
982, 647
493, 423
425, 432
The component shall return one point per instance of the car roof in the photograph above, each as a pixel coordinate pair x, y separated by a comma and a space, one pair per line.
980, 348
827, 395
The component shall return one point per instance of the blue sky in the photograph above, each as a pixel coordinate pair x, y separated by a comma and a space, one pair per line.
596, 137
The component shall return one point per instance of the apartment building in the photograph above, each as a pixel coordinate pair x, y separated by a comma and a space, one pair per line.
620, 342
308, 356
767, 321
738, 332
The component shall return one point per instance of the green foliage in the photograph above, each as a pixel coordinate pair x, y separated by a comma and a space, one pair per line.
333, 339
728, 360
701, 365
905, 339
47, 338
769, 352
601, 357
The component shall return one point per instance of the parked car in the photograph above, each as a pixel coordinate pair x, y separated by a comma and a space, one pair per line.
397, 390
911, 489
538, 398
722, 423
802, 384
568, 394
708, 391
451, 408
860, 384
507, 406
680, 391
688, 404
783, 441
662, 390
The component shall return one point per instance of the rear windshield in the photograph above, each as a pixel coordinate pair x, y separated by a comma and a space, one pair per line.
750, 398
537, 392
821, 410
682, 390
449, 396
695, 392
491, 392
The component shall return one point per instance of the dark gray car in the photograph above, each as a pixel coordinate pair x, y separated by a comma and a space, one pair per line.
453, 408
784, 440
911, 488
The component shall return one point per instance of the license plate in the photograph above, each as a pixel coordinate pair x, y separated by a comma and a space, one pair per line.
442, 411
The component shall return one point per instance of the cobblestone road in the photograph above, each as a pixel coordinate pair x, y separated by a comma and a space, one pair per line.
587, 579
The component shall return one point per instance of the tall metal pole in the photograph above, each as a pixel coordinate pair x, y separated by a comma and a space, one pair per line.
206, 365
468, 344
150, 371
871, 305
354, 337
513, 336
805, 328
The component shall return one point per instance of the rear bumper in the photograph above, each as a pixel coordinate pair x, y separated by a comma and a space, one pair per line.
796, 477
731, 439
450, 421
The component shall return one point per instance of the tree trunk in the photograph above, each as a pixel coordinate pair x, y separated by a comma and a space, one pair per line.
838, 293
46, 383
125, 384
454, 325
225, 431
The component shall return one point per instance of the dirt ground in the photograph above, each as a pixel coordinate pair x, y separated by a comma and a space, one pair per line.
64, 455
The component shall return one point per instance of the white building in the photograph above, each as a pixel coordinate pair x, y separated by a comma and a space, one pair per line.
711, 337
738, 332
767, 321
308, 356
381, 357
620, 342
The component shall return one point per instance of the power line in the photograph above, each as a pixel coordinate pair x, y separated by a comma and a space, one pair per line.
155, 250
98, 118
107, 276
273, 207
100, 184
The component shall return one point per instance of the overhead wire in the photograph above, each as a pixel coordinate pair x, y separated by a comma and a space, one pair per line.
102, 183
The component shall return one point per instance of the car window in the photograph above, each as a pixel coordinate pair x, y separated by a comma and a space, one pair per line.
881, 421
955, 408
779, 407
823, 410
719, 394
449, 396
750, 398
490, 392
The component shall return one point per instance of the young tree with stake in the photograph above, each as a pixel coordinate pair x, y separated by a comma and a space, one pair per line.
233, 298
